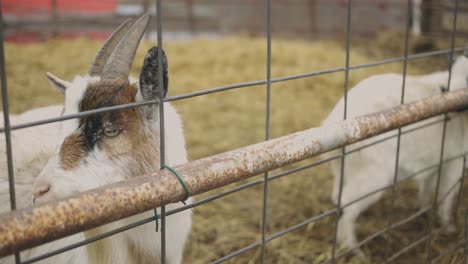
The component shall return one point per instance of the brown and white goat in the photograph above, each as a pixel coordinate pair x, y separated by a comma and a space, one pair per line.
104, 148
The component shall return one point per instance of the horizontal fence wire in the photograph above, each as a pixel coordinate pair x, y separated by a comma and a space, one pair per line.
269, 238
408, 248
224, 88
244, 186
250, 184
232, 191
237, 189
335, 211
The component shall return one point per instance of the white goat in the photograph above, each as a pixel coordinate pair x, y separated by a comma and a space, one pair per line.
109, 147
372, 168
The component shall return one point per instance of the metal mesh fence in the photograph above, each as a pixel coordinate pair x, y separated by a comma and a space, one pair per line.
389, 256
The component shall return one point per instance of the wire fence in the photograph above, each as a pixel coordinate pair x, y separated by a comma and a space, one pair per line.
392, 224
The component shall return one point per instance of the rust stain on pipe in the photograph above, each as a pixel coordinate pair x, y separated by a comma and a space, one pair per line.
30, 227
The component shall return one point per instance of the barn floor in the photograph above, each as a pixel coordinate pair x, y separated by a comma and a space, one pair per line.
223, 121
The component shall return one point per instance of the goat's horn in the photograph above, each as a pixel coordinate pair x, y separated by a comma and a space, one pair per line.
120, 61
109, 46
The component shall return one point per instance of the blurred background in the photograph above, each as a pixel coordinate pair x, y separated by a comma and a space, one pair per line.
312, 19
216, 43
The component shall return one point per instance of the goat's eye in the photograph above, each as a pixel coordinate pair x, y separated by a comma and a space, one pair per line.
111, 131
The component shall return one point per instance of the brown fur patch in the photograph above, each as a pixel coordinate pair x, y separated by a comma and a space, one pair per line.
104, 94
73, 149
133, 141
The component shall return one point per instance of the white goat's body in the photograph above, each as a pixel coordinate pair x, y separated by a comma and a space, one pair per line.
32, 147
372, 168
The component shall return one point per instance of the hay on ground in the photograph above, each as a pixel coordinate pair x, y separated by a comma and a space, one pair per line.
223, 121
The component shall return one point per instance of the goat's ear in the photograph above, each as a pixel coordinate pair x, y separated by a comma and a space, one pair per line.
149, 78
58, 83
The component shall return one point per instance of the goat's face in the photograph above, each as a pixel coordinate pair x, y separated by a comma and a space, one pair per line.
108, 147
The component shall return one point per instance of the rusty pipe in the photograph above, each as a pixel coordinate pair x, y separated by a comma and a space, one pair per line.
29, 227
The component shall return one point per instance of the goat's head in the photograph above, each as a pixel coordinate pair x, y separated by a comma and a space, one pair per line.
106, 147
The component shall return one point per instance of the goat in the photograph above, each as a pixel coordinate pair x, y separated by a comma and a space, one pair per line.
373, 167
104, 148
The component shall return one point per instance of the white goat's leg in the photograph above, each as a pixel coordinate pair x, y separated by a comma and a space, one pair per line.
448, 190
336, 180
425, 182
346, 226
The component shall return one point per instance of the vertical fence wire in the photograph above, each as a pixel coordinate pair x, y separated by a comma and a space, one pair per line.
161, 122
345, 113
462, 183
461, 196
6, 118
267, 130
388, 244
6, 123
465, 251
442, 145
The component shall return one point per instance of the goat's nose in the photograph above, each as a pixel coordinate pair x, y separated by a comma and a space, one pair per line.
40, 192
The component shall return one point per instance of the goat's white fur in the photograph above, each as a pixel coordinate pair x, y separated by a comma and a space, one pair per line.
373, 167
32, 147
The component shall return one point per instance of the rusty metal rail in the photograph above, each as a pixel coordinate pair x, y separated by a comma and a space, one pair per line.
30, 227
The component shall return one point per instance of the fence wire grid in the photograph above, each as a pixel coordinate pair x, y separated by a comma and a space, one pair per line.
389, 256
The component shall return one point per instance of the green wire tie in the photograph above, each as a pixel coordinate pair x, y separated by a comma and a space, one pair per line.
187, 189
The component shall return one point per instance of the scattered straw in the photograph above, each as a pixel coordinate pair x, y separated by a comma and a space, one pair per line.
223, 121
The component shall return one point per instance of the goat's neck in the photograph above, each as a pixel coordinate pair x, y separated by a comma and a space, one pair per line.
120, 248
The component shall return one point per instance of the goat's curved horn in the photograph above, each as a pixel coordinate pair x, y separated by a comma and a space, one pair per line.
106, 49
120, 61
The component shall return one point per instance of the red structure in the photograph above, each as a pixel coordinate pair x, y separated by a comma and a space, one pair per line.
40, 10
22, 8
